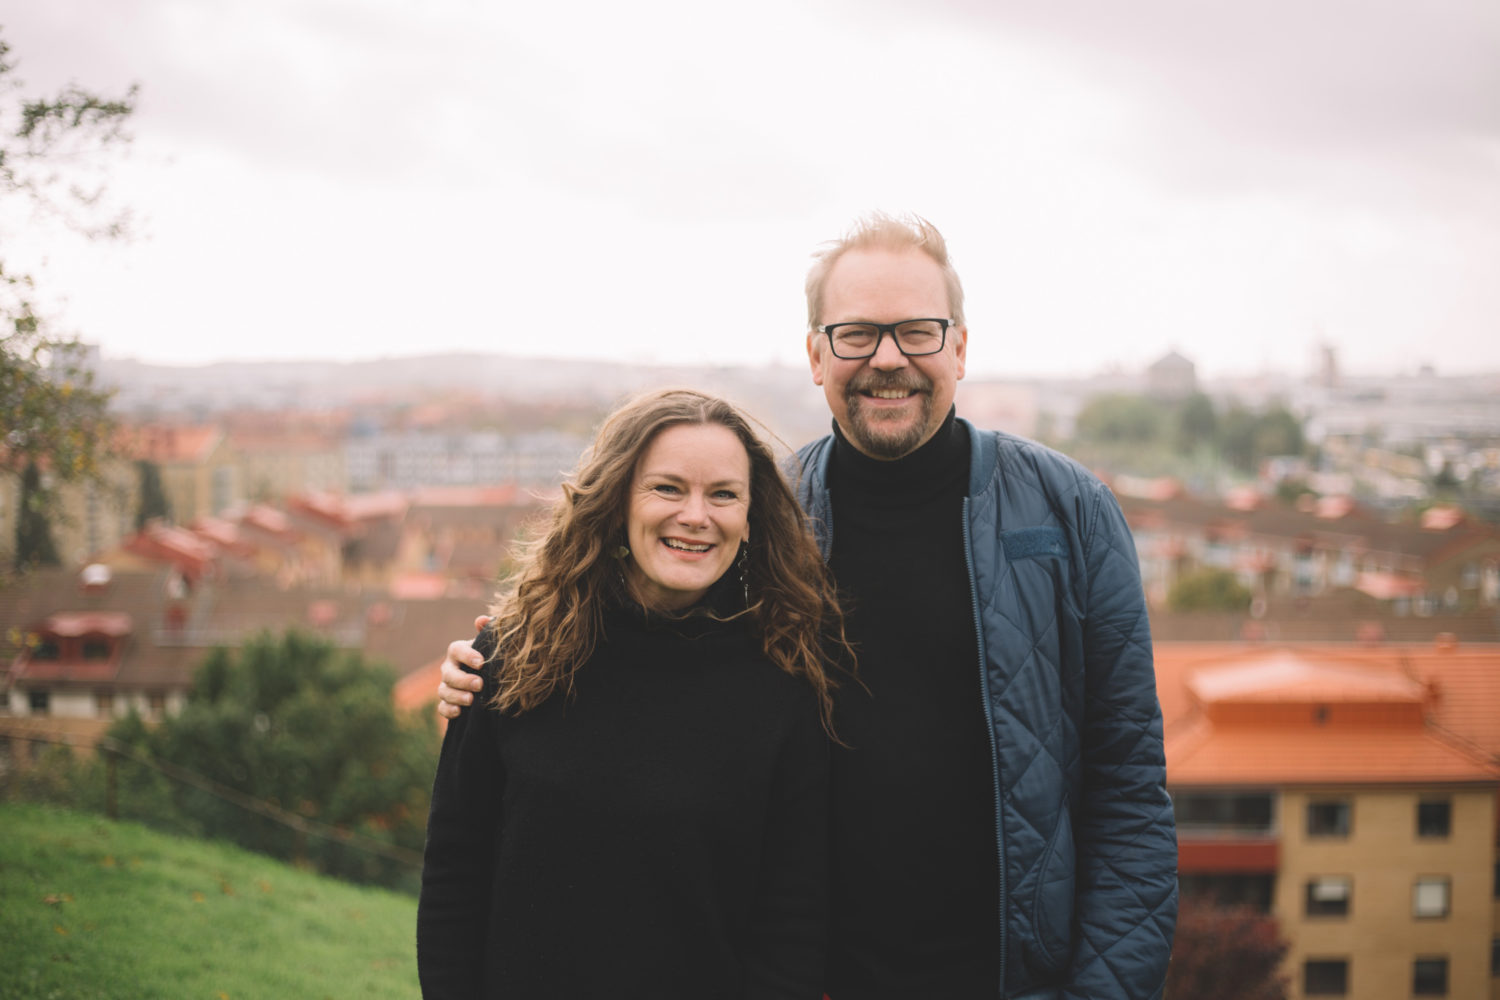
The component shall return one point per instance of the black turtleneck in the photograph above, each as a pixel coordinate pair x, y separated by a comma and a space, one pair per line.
660, 835
914, 890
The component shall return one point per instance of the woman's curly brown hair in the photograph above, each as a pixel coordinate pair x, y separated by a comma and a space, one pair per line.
550, 615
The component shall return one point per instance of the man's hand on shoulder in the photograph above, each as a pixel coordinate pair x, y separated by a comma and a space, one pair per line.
458, 687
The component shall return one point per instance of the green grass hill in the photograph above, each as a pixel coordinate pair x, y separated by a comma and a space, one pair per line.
91, 909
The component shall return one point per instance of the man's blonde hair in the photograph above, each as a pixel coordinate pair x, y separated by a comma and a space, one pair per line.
886, 232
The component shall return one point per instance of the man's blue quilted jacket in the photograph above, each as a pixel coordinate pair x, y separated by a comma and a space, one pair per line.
1088, 848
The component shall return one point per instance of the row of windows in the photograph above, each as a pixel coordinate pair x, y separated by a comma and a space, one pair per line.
1328, 817
90, 648
1335, 818
39, 702
1330, 896
1329, 977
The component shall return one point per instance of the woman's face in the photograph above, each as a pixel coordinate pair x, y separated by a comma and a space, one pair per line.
689, 511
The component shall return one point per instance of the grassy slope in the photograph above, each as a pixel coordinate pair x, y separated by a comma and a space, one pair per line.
94, 909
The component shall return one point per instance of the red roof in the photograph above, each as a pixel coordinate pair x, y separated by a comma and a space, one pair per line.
466, 496
1283, 676
1243, 714
1244, 755
167, 444
1388, 586
191, 554
418, 689
76, 623
419, 586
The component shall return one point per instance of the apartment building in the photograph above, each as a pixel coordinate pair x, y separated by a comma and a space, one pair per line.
413, 459
200, 475
1350, 791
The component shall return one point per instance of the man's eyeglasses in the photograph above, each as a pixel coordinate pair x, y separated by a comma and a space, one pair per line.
913, 337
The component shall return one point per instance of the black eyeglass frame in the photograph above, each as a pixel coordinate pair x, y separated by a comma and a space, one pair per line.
884, 329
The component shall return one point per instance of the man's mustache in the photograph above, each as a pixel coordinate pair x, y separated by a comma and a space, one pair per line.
903, 381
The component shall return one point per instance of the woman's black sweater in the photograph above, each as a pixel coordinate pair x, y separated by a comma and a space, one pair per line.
661, 834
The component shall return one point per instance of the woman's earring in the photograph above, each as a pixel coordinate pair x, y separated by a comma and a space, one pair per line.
744, 562
621, 554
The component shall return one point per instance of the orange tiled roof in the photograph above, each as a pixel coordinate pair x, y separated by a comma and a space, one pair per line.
465, 496
368, 506
419, 586
268, 519
1389, 586
166, 444
76, 623
1441, 518
418, 689
1465, 685
1448, 728
1208, 755
1284, 676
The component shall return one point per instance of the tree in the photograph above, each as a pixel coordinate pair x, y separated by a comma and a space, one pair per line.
1289, 491
1197, 423
1237, 438
1227, 953
302, 727
153, 498
1279, 433
34, 544
1246, 437
1208, 588
54, 418
1121, 419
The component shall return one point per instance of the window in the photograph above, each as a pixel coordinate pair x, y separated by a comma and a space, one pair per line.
1434, 817
1329, 818
96, 648
1249, 813
105, 701
1429, 897
1325, 977
46, 649
1429, 977
1328, 896
40, 702
157, 703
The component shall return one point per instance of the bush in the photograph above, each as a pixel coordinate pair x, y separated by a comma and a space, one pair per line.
1208, 589
286, 729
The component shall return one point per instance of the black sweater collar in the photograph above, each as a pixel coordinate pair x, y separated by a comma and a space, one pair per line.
936, 467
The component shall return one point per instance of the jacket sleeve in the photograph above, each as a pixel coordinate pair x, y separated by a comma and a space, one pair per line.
458, 862
1126, 836
788, 933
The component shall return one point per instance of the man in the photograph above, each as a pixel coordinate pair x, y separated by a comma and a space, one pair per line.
1000, 824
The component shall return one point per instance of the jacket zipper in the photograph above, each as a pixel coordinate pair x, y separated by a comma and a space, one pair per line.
989, 718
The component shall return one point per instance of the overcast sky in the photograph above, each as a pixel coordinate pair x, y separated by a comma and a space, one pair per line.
645, 181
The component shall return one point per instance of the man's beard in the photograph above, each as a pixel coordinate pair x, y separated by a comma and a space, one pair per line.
887, 438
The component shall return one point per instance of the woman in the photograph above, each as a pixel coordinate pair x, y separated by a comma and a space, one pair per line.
636, 804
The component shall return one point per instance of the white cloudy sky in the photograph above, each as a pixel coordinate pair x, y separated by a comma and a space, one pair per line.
645, 181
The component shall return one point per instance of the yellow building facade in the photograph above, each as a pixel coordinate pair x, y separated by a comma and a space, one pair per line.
1387, 904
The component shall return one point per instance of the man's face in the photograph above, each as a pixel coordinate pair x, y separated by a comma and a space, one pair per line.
887, 405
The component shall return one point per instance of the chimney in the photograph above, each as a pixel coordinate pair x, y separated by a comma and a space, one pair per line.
94, 578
